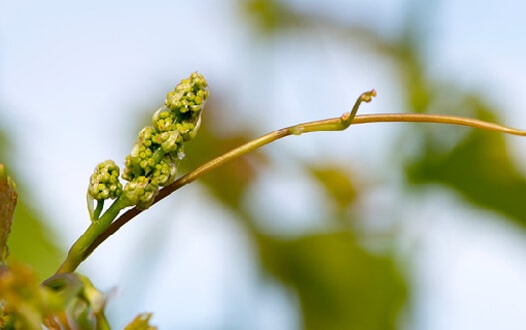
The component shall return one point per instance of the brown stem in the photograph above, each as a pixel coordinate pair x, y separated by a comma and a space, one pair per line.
333, 124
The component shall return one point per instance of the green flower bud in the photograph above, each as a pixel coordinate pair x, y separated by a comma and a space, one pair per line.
140, 160
187, 101
163, 120
164, 172
146, 135
188, 130
128, 173
141, 192
152, 161
169, 142
104, 182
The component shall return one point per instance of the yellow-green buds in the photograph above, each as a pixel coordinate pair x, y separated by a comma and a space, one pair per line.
187, 101
163, 119
168, 141
164, 172
104, 182
141, 192
152, 163
189, 95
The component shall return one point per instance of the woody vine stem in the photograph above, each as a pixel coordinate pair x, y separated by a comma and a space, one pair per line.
151, 170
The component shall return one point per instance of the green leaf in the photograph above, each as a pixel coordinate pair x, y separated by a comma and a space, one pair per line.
340, 285
141, 322
26, 302
337, 183
479, 168
269, 16
31, 242
8, 198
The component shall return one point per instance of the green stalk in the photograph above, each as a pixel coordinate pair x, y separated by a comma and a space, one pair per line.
436, 119
100, 230
98, 210
77, 252
332, 124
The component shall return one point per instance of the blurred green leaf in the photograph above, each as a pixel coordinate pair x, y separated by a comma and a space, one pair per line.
141, 322
340, 285
24, 301
8, 197
479, 168
337, 183
228, 183
30, 241
269, 16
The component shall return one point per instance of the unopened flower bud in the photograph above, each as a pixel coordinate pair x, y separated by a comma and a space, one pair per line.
152, 161
104, 182
164, 172
141, 192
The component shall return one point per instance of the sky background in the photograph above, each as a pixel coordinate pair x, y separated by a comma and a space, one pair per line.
76, 76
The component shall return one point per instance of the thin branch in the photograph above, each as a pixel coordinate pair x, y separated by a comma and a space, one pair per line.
332, 124
436, 119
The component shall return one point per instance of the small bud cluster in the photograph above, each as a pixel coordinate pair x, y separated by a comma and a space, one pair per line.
104, 182
186, 101
152, 162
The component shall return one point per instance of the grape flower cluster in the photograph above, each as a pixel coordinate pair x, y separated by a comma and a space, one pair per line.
104, 183
153, 160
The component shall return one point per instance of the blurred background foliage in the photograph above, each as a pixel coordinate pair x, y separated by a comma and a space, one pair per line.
344, 273
30, 241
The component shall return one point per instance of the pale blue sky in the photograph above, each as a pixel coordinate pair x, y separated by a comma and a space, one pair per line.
73, 75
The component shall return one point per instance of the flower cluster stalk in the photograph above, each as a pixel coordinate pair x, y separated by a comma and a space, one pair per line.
331, 124
151, 164
136, 166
